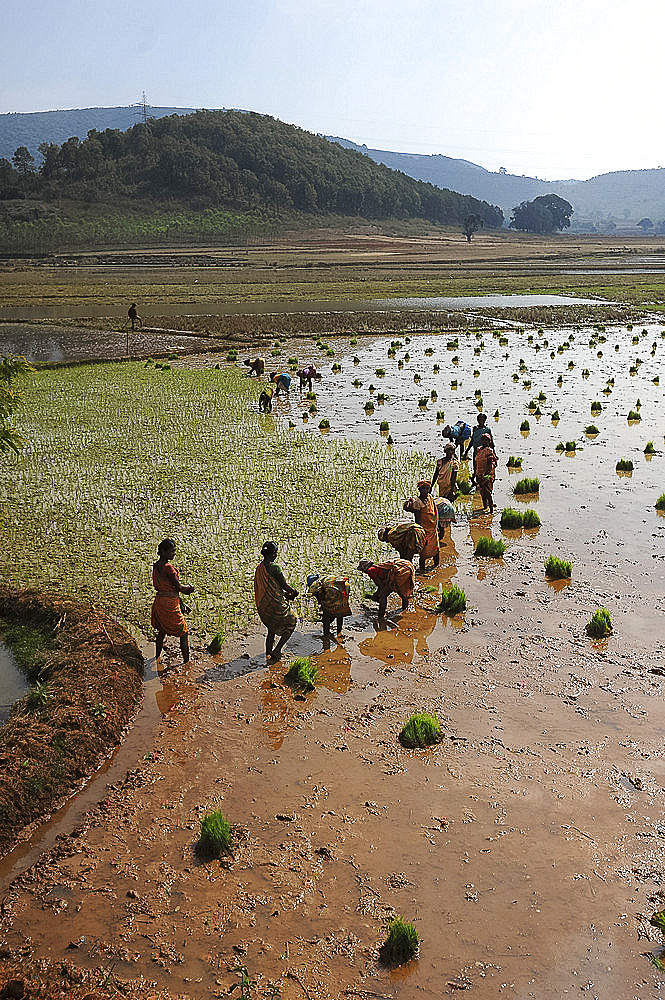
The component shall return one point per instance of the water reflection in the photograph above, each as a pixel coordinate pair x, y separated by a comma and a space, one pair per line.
13, 682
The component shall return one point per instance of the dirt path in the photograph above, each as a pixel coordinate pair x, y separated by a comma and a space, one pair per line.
526, 848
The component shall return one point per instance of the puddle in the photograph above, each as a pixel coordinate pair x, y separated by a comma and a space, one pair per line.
13, 682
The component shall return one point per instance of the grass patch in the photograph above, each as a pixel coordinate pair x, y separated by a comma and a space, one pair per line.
493, 548
215, 835
526, 486
600, 624
302, 673
29, 643
511, 519
453, 601
401, 945
421, 730
558, 569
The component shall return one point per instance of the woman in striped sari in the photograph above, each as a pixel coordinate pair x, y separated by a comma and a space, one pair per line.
272, 592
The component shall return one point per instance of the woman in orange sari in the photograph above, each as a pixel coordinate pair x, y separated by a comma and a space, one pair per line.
394, 577
166, 616
485, 471
426, 514
271, 592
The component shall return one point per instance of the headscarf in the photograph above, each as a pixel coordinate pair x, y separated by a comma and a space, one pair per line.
381, 533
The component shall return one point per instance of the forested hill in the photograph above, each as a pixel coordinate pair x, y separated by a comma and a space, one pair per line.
240, 160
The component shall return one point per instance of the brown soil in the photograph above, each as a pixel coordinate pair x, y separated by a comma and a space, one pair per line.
94, 670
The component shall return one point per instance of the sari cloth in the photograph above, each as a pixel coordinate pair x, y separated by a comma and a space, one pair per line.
332, 593
407, 538
485, 468
427, 516
271, 604
166, 615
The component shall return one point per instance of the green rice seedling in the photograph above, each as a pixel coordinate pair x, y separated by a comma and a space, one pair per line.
476, 373
293, 361
530, 519
384, 426
165, 368
634, 415
407, 357
596, 407
38, 696
381, 397
453, 384
585, 373
372, 388
526, 486
560, 447
302, 673
353, 341
313, 408
369, 406
440, 415
310, 395
542, 397
216, 643
532, 405
275, 353
558, 569
658, 920
330, 353
624, 465
537, 412
571, 446
453, 601
492, 548
638, 404
434, 395
390, 439
417, 378
436, 369
99, 710
356, 359
525, 426
514, 462
503, 341
356, 383
600, 624
380, 372
496, 414
324, 424
429, 351
516, 377
336, 368
401, 944
423, 401
452, 345
649, 448
591, 429
455, 360
511, 519
656, 380
215, 835
527, 384
231, 356
421, 730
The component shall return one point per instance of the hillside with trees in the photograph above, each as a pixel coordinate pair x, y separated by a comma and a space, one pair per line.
208, 163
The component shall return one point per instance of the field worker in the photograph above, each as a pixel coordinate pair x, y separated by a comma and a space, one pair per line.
307, 376
446, 514
271, 593
395, 577
332, 594
256, 367
426, 515
445, 473
167, 616
485, 471
282, 382
459, 434
476, 435
265, 400
134, 316
407, 538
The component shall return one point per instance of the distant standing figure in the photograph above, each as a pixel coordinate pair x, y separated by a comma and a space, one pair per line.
476, 434
332, 594
256, 367
166, 616
445, 473
459, 434
282, 382
307, 376
395, 577
272, 592
426, 514
134, 316
485, 471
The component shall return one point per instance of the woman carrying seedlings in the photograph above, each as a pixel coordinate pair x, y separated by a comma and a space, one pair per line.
396, 577
332, 594
425, 512
485, 471
272, 592
407, 538
167, 609
445, 473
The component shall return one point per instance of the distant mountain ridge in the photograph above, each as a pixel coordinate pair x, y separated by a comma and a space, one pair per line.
620, 196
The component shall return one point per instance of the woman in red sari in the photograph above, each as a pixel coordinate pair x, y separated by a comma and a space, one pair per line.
486, 471
166, 616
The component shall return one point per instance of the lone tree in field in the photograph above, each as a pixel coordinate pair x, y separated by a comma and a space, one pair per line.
645, 224
472, 224
544, 214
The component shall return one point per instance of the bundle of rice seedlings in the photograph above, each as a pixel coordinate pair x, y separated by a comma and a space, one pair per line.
555, 416
527, 485
511, 519
215, 643
624, 465
401, 945
596, 407
649, 448
215, 835
530, 519
421, 730
524, 426
660, 502
324, 424
453, 601
634, 415
493, 548
600, 624
302, 673
591, 429
514, 462
558, 569
571, 446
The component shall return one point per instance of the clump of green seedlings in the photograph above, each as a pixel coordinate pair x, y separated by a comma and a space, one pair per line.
530, 519
369, 406
336, 367
384, 426
660, 502
526, 486
571, 446
216, 643
436, 369
649, 448
440, 415
514, 462
511, 519
560, 447
453, 384
380, 372
381, 397
302, 673
532, 405
324, 424
38, 696
215, 835
624, 465
421, 730
596, 407
591, 429
429, 351
492, 548
423, 401
634, 415
453, 601
525, 426
496, 414
231, 356
558, 569
401, 944
356, 383
600, 624
313, 407
537, 412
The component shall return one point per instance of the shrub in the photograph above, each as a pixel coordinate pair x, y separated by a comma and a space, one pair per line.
530, 519
527, 486
624, 465
453, 601
514, 462
401, 945
591, 429
524, 426
600, 624
558, 569
421, 730
493, 548
634, 415
649, 448
215, 835
302, 673
511, 519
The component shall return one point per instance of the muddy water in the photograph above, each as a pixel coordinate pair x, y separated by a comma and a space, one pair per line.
48, 345
526, 848
13, 682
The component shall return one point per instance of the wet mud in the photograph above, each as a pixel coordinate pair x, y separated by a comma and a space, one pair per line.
526, 847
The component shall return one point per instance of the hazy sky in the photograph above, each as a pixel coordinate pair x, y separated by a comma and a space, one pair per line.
552, 88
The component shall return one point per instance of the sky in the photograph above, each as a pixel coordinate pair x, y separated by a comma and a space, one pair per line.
548, 88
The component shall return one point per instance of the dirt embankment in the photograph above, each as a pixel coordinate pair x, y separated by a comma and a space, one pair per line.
88, 688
